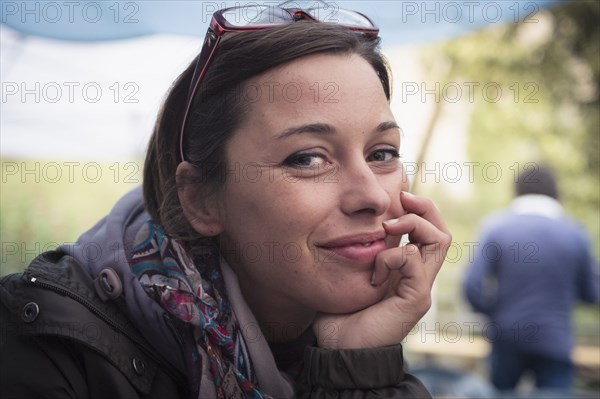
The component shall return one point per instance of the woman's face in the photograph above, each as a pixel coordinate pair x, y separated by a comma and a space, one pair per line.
312, 174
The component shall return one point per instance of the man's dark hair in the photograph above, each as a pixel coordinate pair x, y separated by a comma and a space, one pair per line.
537, 180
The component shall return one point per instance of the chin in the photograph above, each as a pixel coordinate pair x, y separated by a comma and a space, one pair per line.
353, 300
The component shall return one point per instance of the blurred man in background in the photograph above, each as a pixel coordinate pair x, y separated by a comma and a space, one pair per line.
532, 265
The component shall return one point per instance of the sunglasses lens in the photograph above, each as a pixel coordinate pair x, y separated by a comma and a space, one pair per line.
256, 15
340, 16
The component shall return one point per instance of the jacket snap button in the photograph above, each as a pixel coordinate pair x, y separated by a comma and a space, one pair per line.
138, 366
30, 312
108, 285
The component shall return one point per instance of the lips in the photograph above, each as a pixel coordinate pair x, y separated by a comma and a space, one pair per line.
360, 248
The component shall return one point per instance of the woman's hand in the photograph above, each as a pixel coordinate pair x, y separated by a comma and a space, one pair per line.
409, 271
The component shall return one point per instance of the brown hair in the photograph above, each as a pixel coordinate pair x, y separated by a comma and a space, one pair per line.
536, 179
218, 109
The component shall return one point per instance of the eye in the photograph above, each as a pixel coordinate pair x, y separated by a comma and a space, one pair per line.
384, 155
304, 160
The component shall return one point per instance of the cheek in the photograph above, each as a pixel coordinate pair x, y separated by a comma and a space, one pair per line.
404, 183
394, 184
275, 210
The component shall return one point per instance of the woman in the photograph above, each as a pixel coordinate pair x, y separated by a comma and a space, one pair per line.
263, 260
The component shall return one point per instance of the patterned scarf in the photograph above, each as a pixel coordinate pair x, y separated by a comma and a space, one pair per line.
193, 291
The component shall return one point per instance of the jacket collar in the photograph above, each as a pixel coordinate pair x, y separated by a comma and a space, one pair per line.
536, 204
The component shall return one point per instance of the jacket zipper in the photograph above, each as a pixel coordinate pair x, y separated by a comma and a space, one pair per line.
167, 368
98, 313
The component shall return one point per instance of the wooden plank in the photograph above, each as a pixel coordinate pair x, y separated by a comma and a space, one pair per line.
479, 348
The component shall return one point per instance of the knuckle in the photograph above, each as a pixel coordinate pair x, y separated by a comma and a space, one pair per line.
428, 202
425, 303
446, 240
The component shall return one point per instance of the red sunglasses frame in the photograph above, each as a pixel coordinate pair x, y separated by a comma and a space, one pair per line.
219, 26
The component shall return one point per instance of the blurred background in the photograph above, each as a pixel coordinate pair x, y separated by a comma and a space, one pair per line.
482, 91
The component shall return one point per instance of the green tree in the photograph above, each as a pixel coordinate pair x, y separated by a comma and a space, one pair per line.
548, 69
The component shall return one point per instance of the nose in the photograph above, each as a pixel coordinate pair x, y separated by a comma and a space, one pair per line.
362, 191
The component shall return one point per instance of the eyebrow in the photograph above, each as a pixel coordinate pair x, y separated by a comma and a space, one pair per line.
315, 128
325, 129
383, 126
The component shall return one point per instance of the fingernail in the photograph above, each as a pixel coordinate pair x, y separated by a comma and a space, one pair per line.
391, 222
373, 279
408, 194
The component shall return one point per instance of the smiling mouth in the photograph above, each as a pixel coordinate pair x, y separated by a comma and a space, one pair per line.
356, 252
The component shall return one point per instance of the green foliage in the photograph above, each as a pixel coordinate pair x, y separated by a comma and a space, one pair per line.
45, 204
548, 70
549, 111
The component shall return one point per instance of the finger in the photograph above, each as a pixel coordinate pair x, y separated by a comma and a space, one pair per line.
420, 231
431, 242
394, 259
423, 207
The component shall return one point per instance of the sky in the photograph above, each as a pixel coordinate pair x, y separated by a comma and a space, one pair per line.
87, 98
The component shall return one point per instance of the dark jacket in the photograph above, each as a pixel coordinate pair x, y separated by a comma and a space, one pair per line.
78, 327
60, 340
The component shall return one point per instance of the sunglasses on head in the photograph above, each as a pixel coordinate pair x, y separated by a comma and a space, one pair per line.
261, 17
